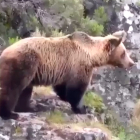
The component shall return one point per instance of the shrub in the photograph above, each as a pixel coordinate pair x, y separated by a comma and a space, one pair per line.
69, 9
92, 27
7, 32
32, 22
38, 33
100, 15
73, 11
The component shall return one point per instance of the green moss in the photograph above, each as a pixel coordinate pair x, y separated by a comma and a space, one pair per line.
93, 100
55, 117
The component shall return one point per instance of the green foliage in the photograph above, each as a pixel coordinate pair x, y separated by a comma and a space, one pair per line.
93, 100
53, 33
72, 10
55, 117
33, 22
6, 31
91, 26
38, 33
100, 15
56, 33
13, 40
95, 27
123, 135
119, 130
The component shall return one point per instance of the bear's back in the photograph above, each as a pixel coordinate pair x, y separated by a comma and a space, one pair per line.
40, 45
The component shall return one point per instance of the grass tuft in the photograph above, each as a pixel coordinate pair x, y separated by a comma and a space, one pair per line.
55, 117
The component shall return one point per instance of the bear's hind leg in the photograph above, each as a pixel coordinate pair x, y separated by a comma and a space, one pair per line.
7, 104
23, 104
60, 91
74, 94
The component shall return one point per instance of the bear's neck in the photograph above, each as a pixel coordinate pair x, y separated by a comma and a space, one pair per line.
99, 60
100, 57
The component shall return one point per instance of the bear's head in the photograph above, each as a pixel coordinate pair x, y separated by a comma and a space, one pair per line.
118, 55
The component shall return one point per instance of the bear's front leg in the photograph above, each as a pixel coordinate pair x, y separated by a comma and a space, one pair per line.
60, 90
75, 94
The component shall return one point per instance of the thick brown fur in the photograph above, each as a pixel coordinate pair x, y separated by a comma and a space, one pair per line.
65, 62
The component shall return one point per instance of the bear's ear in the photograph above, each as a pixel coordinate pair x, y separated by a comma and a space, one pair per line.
112, 43
70, 36
120, 34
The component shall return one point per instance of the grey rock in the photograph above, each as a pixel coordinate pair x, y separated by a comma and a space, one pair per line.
118, 87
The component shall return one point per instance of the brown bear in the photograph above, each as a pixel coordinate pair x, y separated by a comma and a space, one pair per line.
65, 62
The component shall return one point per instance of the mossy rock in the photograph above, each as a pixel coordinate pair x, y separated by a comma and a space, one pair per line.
95, 101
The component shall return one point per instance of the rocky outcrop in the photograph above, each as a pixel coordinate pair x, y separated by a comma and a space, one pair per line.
120, 88
40, 126
38, 130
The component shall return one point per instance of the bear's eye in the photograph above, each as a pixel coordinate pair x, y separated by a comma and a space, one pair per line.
123, 54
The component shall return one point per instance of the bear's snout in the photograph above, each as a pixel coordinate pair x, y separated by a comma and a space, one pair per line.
131, 64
